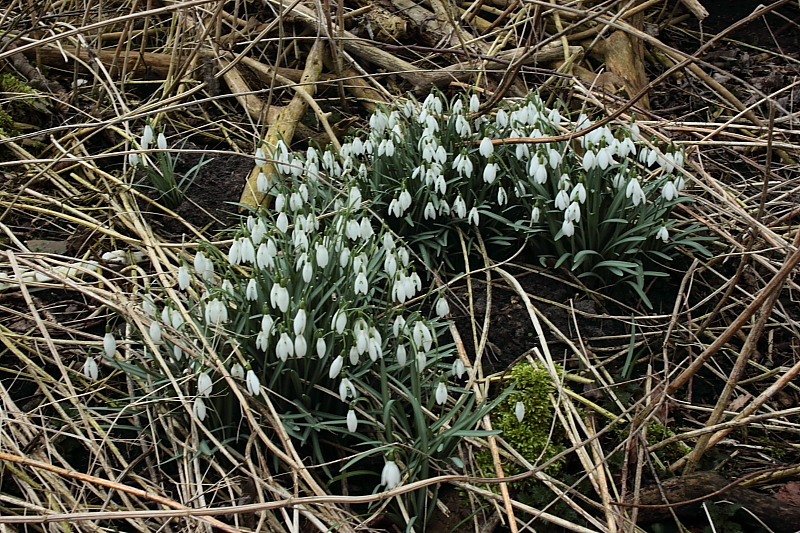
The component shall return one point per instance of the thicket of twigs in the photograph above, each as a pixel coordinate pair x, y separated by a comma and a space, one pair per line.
223, 76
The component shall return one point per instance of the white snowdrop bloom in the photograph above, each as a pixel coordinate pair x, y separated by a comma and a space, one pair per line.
573, 212
161, 141
262, 183
361, 284
227, 286
460, 207
440, 185
519, 411
266, 324
353, 356
261, 158
336, 367
663, 234
235, 252
216, 312
166, 315
279, 297
262, 341
237, 371
253, 384
589, 160
109, 345
395, 209
583, 122
463, 165
322, 347
322, 255
199, 408
184, 280
474, 217
680, 183
422, 361
553, 158
444, 207
295, 201
415, 279
402, 355
441, 393
474, 103
458, 107
578, 193
502, 196
285, 347
490, 173
90, 369
282, 222
669, 192
147, 137
300, 321
652, 157
365, 229
634, 192
568, 228
346, 389
134, 159
403, 256
422, 336
486, 148
204, 384
308, 272
405, 199
430, 212
440, 156
541, 175
501, 120
360, 262
390, 476
626, 147
339, 321
390, 264
280, 202
155, 331
251, 293
604, 158
562, 200
442, 307
458, 368
536, 214
352, 229
352, 421
344, 257
522, 152
554, 117
399, 326
264, 259
300, 346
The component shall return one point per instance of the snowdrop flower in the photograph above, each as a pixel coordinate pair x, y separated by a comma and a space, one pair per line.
109, 344
282, 222
199, 408
519, 411
261, 158
394, 208
502, 196
473, 216
344, 257
204, 384
562, 200
568, 228
262, 183
161, 141
227, 286
366, 230
442, 307
486, 148
573, 212
361, 284
279, 297
300, 320
322, 256
251, 293
322, 347
490, 173
237, 371
652, 157
663, 234
216, 312
235, 253
147, 137
402, 355
441, 393
339, 321
183, 278
346, 389
463, 165
405, 199
458, 368
634, 192
669, 192
155, 332
422, 336
300, 346
474, 103
265, 257
579, 193
253, 384
352, 421
536, 214
430, 212
90, 369
589, 160
501, 120
336, 367
285, 347
460, 207
134, 159
390, 476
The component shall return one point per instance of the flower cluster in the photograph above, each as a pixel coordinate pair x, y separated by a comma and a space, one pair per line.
599, 204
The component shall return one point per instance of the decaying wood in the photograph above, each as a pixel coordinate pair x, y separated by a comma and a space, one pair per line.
617, 51
774, 513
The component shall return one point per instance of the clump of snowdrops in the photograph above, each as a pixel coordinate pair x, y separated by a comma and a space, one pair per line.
311, 306
599, 204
